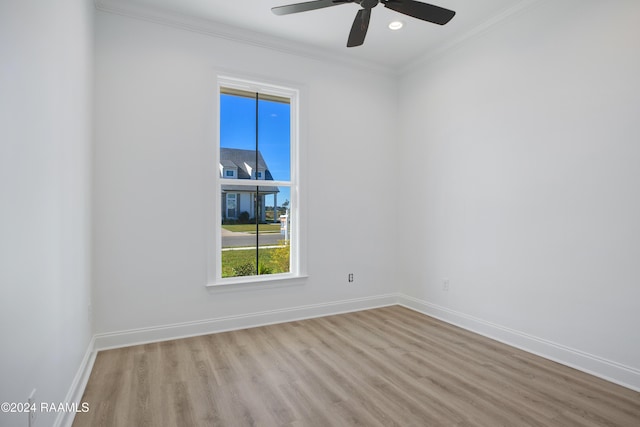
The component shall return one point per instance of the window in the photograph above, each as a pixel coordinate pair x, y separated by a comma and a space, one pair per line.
231, 205
257, 217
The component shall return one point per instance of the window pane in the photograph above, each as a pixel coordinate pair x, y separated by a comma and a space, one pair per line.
237, 122
275, 233
274, 137
264, 238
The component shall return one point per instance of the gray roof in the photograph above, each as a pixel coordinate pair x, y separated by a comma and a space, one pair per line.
236, 157
228, 163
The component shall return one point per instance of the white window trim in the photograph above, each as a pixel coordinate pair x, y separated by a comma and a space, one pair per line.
297, 195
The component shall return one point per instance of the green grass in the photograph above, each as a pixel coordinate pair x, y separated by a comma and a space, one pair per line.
251, 228
235, 258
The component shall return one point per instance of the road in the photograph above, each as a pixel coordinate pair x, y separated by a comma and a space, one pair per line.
234, 240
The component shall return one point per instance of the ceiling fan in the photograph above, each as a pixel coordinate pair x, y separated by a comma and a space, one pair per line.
416, 9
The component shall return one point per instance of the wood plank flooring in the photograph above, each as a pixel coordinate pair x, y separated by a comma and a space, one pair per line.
384, 367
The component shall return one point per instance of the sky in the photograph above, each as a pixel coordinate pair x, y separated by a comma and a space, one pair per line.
238, 130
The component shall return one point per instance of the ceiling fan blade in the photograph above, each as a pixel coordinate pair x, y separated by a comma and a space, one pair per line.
359, 28
303, 7
424, 11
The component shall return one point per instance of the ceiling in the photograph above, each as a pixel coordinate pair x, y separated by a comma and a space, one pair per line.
325, 31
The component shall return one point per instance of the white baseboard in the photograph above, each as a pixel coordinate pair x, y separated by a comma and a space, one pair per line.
591, 364
229, 323
74, 395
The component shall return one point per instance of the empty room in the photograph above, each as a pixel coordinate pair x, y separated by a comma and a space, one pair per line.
320, 213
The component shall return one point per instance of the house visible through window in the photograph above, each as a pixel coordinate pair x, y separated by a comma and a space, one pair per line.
257, 142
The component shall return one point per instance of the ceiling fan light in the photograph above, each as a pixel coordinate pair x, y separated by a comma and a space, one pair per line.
396, 25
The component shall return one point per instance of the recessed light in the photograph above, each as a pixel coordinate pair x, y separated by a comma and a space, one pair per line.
395, 25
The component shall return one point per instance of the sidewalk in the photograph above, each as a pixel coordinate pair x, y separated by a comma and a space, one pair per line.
246, 248
227, 233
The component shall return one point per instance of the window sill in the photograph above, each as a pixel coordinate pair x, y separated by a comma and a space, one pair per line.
261, 282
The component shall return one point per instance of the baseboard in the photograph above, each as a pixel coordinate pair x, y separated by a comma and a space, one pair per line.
591, 364
229, 323
74, 395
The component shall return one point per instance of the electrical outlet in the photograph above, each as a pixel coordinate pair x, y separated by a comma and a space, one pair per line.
445, 285
350, 277
32, 408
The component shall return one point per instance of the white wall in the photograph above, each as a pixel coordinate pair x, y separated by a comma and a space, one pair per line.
155, 119
523, 146
45, 133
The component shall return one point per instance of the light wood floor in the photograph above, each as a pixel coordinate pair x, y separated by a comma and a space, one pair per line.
384, 367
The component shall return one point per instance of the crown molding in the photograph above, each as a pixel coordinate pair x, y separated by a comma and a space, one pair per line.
474, 33
240, 35
235, 34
